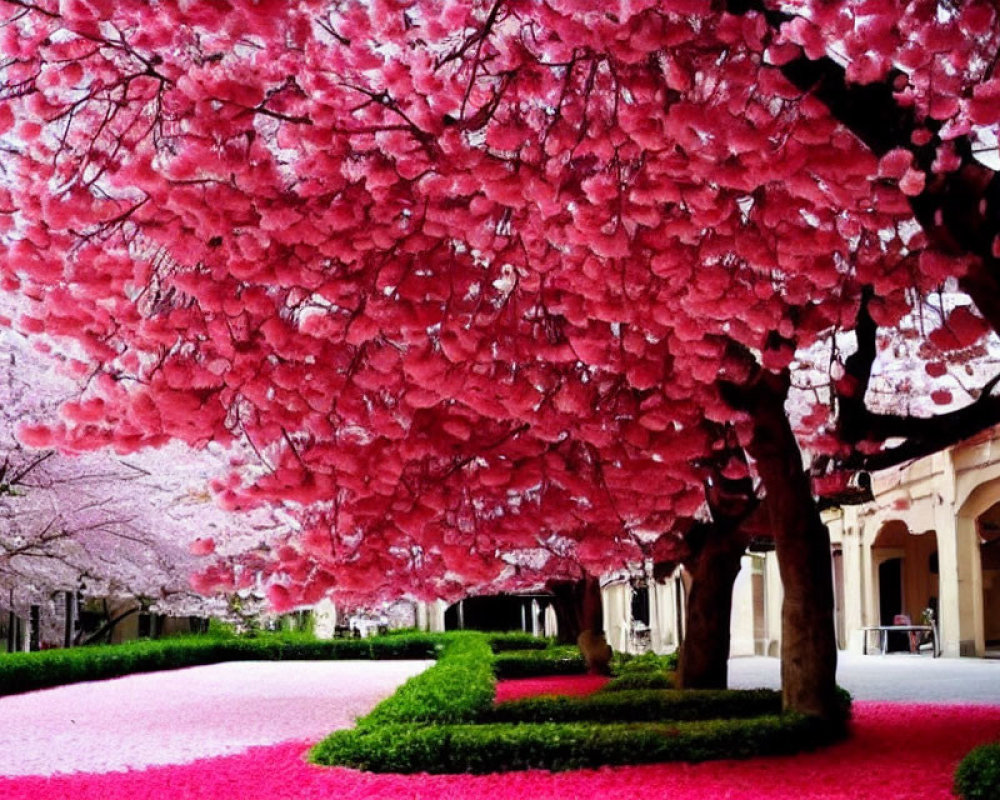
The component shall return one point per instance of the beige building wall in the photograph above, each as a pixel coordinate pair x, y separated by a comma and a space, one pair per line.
743, 616
616, 602
937, 518
934, 525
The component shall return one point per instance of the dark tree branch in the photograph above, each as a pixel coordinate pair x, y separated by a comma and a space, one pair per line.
959, 210
852, 414
926, 435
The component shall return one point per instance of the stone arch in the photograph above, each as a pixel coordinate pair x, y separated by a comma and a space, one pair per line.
904, 564
978, 539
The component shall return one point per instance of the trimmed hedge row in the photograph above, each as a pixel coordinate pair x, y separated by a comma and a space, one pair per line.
639, 680
560, 746
625, 664
618, 727
646, 671
459, 688
515, 640
641, 706
556, 660
25, 672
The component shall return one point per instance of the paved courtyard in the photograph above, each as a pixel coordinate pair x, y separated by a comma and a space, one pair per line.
899, 677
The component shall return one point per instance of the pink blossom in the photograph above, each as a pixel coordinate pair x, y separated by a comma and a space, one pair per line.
885, 758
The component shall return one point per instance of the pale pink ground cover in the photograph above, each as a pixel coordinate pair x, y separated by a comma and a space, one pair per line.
183, 715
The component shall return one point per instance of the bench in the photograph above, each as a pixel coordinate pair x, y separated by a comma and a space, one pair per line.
884, 630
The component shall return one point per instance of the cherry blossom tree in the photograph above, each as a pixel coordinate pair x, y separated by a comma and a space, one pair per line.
496, 284
99, 526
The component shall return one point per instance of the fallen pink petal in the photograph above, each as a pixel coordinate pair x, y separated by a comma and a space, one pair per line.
900, 751
141, 735
573, 685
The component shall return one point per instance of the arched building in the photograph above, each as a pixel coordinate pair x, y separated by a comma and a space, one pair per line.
930, 539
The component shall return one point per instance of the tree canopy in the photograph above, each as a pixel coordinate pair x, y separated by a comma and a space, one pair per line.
491, 289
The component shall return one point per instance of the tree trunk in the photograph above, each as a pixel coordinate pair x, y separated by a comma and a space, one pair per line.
70, 620
34, 628
581, 620
808, 642
704, 655
103, 634
565, 603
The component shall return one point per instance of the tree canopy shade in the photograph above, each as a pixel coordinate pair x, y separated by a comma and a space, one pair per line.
492, 289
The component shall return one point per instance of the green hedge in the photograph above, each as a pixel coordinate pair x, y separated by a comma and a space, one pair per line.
641, 706
25, 672
626, 664
560, 746
555, 660
515, 640
646, 671
639, 680
978, 774
443, 721
459, 688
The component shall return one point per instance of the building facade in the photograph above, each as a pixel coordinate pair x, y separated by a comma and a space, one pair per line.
929, 541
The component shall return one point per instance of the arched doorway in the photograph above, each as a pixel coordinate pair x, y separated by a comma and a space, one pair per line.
977, 526
905, 566
988, 529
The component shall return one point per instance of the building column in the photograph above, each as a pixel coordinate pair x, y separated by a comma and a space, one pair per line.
436, 616
741, 615
960, 605
34, 629
852, 551
69, 598
659, 621
615, 599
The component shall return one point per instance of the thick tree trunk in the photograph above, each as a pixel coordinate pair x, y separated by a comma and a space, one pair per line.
581, 620
808, 643
704, 656
103, 634
565, 603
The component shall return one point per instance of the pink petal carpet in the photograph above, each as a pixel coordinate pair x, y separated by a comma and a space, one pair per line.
897, 751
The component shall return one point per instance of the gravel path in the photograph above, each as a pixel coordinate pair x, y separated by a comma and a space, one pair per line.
179, 716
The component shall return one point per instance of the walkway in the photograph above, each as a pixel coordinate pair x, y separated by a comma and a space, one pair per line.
898, 677
179, 716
